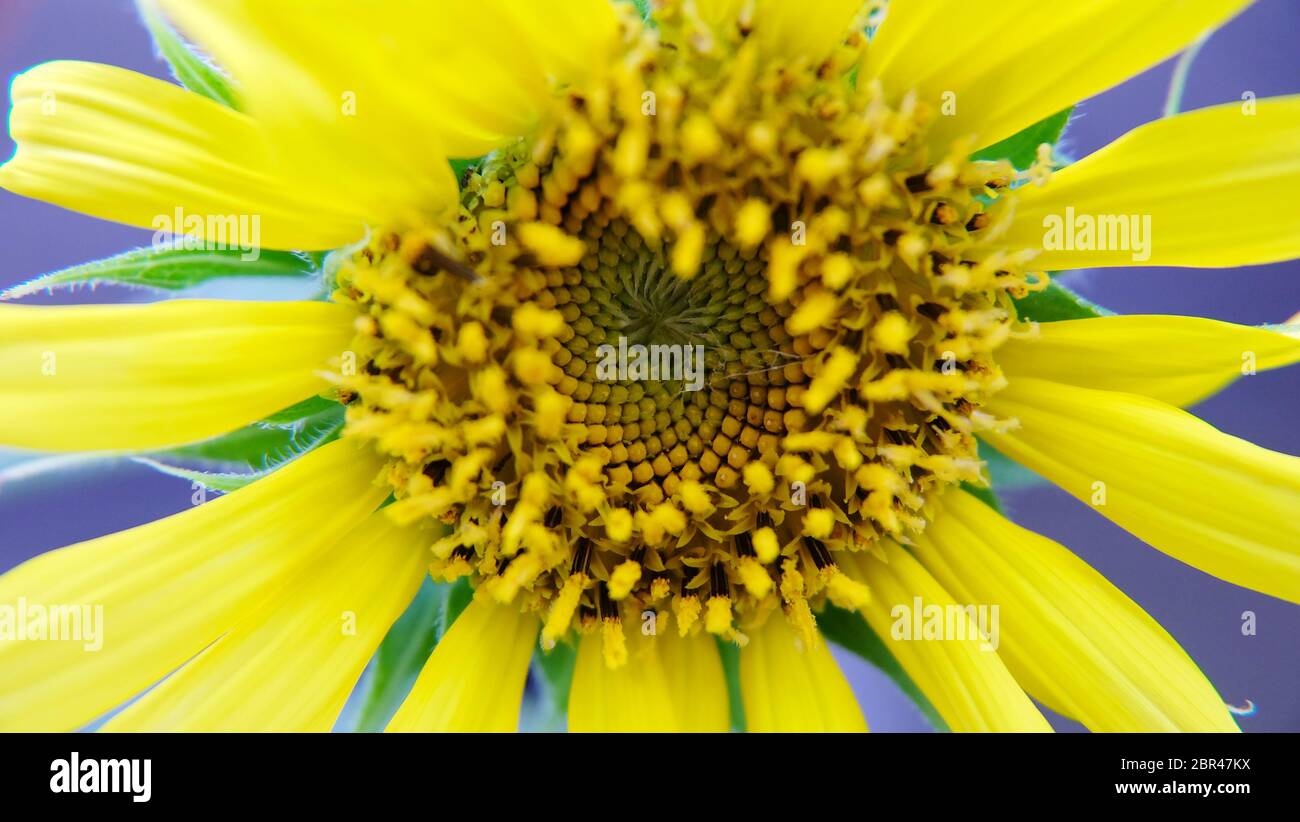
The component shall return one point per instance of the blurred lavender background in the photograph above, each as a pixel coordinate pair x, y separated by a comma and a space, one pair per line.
1256, 52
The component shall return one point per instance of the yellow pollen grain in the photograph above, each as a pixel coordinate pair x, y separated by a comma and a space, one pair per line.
798, 611
847, 592
766, 545
532, 367
700, 139
563, 607
753, 221
537, 322
618, 525
624, 577
552, 409
830, 381
717, 619
818, 523
613, 642
837, 270
687, 611
754, 577
550, 245
818, 166
659, 589
815, 311
695, 498
758, 478
472, 342
892, 333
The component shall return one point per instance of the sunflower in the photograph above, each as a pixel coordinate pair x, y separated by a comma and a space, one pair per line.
804, 193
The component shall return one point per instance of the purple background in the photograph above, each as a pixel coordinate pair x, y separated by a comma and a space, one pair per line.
1255, 52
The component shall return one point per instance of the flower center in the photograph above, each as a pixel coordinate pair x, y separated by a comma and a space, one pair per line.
721, 322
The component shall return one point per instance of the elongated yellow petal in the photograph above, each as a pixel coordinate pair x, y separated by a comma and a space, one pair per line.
1071, 638
669, 684
1010, 64
632, 698
474, 681
1178, 360
336, 87
696, 682
1200, 189
1213, 501
468, 76
119, 145
961, 673
791, 688
159, 374
158, 594
290, 664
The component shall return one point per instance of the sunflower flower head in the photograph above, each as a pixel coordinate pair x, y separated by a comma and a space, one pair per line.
700, 355
701, 194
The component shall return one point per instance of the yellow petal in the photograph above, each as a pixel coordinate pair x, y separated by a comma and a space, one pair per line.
290, 664
1213, 501
791, 688
808, 29
1071, 638
572, 40
1012, 63
468, 76
1178, 360
669, 684
158, 374
333, 85
474, 681
961, 674
1202, 189
166, 590
119, 145
696, 682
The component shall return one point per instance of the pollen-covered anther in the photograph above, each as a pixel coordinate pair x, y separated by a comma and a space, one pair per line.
687, 358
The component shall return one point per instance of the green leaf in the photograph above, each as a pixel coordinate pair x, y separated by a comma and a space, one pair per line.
401, 656
849, 630
221, 481
461, 166
261, 445
730, 653
1021, 148
167, 269
985, 495
295, 413
188, 67
264, 446
1056, 302
458, 598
